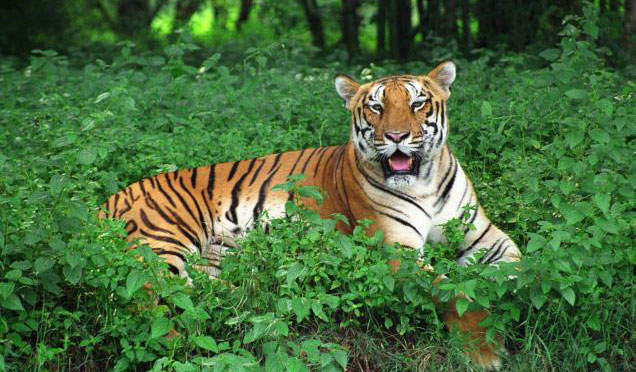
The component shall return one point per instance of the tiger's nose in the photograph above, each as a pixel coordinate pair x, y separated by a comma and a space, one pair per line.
396, 137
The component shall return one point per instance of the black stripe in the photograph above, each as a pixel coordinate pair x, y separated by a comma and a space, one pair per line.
490, 254
233, 170
262, 194
165, 194
275, 163
178, 194
472, 219
115, 206
185, 229
193, 178
443, 115
211, 178
461, 252
403, 222
231, 213
459, 206
445, 193
143, 187
322, 153
375, 201
131, 227
394, 193
152, 204
206, 203
164, 252
309, 159
167, 239
128, 207
256, 173
302, 152
448, 171
202, 223
495, 259
152, 181
150, 225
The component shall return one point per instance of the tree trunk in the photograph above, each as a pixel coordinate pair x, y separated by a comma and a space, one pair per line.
380, 23
421, 27
630, 21
220, 14
450, 15
433, 16
132, 17
314, 21
244, 15
466, 36
184, 11
349, 27
400, 28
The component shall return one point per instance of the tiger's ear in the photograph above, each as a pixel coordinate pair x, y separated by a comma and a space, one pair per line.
443, 74
346, 88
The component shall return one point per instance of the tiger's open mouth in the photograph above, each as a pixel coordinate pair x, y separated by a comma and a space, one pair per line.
400, 164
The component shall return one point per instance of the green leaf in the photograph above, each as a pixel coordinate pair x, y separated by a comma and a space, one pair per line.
160, 327
183, 301
135, 281
301, 308
311, 192
296, 365
12, 302
538, 300
345, 245
87, 156
6, 289
550, 54
576, 93
341, 357
43, 264
205, 342
486, 109
602, 201
461, 305
389, 282
536, 242
568, 294
607, 225
590, 29
574, 137
295, 270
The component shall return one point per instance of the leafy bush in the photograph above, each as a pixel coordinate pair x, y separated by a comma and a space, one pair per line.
549, 149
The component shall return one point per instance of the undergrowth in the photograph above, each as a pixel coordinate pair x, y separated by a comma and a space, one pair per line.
550, 151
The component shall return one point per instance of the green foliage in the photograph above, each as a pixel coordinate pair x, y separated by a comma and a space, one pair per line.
550, 151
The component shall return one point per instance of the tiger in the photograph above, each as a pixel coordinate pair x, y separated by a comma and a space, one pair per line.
397, 170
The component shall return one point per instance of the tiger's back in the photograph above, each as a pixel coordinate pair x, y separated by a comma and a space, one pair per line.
202, 210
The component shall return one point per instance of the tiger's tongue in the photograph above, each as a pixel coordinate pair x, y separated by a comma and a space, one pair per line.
399, 162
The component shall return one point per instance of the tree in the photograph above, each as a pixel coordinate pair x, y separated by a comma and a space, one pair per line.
466, 36
400, 32
184, 9
312, 14
349, 25
380, 22
244, 14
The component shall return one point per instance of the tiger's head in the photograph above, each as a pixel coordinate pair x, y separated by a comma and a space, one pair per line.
399, 122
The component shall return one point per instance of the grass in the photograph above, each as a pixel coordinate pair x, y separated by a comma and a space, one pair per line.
549, 149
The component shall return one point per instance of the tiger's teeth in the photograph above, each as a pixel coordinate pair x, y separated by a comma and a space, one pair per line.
410, 163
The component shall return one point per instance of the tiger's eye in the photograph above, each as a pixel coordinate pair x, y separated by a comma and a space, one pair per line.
377, 107
417, 104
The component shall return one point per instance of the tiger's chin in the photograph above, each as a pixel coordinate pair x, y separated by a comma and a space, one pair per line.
401, 182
